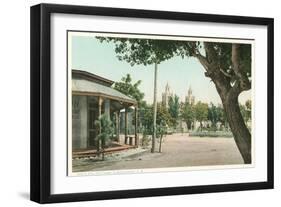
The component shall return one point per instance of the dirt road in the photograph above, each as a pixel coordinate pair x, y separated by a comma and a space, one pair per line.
177, 151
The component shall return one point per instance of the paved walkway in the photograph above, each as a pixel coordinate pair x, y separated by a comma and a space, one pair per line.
177, 151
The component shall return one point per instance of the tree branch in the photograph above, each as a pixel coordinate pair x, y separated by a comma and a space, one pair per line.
243, 82
226, 74
204, 62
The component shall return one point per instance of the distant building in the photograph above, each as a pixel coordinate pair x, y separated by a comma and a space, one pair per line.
166, 96
190, 98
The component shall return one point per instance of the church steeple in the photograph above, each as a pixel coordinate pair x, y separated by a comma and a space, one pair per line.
167, 88
166, 95
190, 98
189, 93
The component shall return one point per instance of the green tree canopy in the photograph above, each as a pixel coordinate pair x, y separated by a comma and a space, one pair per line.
232, 61
174, 108
163, 117
142, 51
130, 89
213, 115
246, 110
228, 65
188, 114
201, 112
221, 114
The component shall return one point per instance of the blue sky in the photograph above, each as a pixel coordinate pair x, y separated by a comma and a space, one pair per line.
91, 55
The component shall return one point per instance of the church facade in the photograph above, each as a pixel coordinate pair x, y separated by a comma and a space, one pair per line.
189, 98
166, 95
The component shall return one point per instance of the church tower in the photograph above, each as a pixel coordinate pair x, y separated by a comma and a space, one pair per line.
166, 95
190, 98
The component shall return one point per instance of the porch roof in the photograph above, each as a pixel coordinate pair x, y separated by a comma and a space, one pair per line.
85, 87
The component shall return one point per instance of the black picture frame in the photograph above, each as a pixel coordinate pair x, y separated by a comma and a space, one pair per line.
41, 99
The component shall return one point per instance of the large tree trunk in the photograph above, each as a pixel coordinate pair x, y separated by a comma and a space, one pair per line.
229, 91
238, 127
242, 136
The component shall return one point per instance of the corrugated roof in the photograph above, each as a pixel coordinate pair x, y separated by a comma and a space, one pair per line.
85, 75
85, 86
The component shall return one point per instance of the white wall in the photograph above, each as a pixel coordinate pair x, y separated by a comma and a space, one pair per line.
14, 105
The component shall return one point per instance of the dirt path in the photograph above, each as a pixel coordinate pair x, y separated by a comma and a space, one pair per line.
178, 151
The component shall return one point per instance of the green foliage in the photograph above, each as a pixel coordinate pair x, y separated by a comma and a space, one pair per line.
221, 54
104, 125
227, 64
147, 118
211, 134
145, 139
246, 58
246, 110
130, 89
161, 129
150, 51
174, 107
143, 51
188, 114
214, 115
221, 114
201, 112
163, 117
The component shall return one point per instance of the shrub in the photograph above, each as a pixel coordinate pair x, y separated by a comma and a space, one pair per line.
211, 134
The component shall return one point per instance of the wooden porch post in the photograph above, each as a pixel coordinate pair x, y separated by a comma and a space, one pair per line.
99, 141
117, 115
126, 125
136, 127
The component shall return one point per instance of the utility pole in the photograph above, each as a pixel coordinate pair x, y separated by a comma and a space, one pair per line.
155, 108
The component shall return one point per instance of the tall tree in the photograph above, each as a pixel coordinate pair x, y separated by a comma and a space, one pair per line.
105, 127
201, 112
213, 115
246, 110
221, 115
188, 114
163, 117
174, 108
130, 89
144, 52
228, 65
